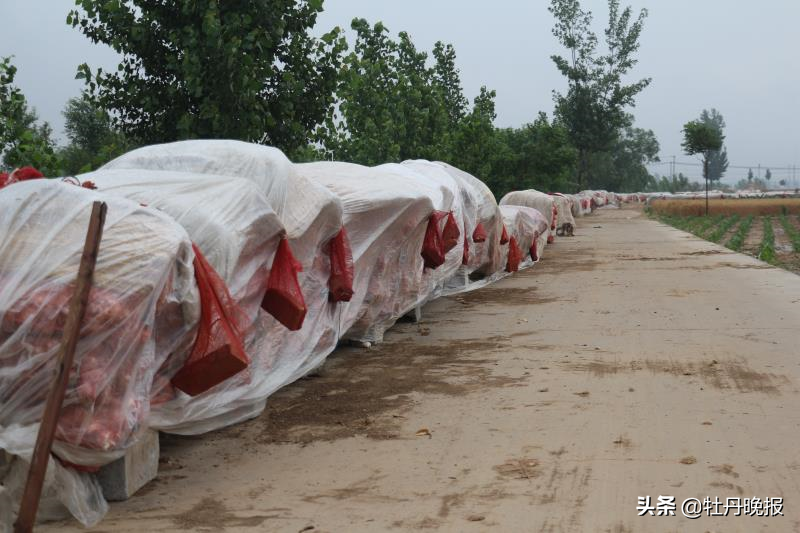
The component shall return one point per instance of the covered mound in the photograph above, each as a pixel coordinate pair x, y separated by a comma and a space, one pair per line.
483, 226
544, 203
386, 219
140, 326
312, 218
565, 221
448, 221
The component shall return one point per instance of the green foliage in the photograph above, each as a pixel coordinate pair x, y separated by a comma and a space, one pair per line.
700, 138
767, 250
594, 108
674, 184
392, 105
23, 141
718, 159
722, 229
93, 140
752, 183
210, 69
791, 232
737, 240
535, 156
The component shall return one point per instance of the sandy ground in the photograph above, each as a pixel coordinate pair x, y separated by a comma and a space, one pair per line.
634, 360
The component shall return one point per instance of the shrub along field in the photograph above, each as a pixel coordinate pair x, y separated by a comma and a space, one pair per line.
741, 207
774, 239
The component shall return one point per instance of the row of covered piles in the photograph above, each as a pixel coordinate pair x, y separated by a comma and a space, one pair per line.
226, 272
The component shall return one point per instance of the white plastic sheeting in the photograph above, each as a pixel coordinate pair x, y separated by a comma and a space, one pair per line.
564, 217
385, 217
312, 217
139, 326
481, 215
544, 203
526, 225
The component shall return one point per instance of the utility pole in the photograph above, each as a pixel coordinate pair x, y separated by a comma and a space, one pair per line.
759, 171
673, 167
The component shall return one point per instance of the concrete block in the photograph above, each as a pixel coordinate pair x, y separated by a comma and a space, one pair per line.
121, 479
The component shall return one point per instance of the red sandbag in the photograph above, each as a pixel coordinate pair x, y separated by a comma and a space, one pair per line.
340, 282
479, 235
465, 254
533, 250
504, 236
514, 255
284, 299
3, 179
450, 233
20, 174
433, 246
218, 351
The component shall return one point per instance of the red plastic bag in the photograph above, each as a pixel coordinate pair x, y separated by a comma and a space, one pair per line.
504, 236
514, 255
450, 233
534, 251
284, 299
218, 351
340, 282
433, 245
465, 254
479, 235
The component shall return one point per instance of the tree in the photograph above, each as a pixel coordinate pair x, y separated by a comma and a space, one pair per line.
211, 69
750, 174
700, 138
594, 108
392, 104
93, 139
718, 163
23, 141
536, 156
768, 175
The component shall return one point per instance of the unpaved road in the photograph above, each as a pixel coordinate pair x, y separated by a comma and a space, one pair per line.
634, 360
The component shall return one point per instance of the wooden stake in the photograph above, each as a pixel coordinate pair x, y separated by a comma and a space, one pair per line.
69, 340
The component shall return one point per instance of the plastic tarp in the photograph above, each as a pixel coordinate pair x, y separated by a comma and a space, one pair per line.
140, 326
564, 217
386, 219
312, 218
443, 190
481, 217
544, 203
528, 226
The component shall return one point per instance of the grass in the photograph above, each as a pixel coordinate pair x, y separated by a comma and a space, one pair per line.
740, 206
767, 250
737, 240
723, 227
791, 232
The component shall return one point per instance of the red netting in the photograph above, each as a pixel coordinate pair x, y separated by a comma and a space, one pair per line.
514, 255
340, 282
284, 298
504, 236
479, 235
433, 245
450, 233
465, 254
534, 251
218, 351
20, 174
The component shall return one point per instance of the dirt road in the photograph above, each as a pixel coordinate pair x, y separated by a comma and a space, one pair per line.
634, 360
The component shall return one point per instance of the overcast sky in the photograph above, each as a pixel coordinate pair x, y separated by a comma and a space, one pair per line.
739, 57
